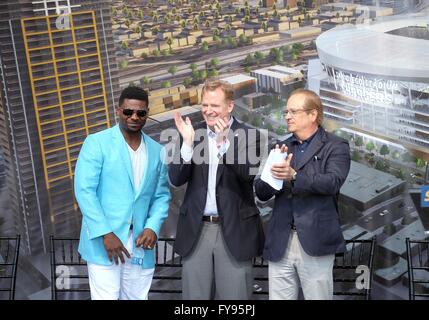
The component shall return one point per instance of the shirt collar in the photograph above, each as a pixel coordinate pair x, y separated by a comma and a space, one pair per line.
294, 140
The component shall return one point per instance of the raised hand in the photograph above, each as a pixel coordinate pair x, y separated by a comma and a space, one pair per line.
185, 128
221, 128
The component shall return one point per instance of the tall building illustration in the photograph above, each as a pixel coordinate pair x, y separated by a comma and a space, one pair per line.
59, 82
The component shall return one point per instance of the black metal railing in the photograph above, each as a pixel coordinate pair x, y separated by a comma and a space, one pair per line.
353, 269
9, 253
69, 274
168, 265
418, 268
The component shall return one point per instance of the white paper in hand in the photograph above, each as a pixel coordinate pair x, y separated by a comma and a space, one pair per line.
275, 156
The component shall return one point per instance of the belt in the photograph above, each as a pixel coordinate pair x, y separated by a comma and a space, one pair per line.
212, 219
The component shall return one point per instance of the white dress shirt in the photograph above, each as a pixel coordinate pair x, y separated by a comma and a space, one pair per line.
215, 153
138, 162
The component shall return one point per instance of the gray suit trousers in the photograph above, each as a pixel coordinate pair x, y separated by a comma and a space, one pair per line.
210, 271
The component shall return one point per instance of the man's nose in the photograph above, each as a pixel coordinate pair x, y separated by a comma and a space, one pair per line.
134, 116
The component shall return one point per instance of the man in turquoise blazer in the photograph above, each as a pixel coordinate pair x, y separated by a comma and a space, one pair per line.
122, 190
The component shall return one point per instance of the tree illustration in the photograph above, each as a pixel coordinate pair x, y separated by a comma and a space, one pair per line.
359, 142
370, 146
355, 156
396, 155
215, 62
187, 81
169, 41
203, 74
420, 163
172, 70
166, 84
145, 80
384, 150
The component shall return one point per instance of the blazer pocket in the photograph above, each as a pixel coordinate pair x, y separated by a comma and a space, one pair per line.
318, 164
246, 213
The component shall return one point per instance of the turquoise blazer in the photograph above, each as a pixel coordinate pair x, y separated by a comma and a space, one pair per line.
104, 190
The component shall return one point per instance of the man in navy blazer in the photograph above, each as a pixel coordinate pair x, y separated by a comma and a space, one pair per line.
304, 232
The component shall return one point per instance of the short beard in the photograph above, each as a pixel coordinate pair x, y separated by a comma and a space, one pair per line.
126, 129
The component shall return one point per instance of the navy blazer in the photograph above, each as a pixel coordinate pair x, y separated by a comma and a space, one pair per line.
311, 200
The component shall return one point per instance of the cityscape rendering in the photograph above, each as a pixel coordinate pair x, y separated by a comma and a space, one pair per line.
63, 64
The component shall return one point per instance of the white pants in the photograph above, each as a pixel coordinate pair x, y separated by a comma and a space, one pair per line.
123, 281
314, 273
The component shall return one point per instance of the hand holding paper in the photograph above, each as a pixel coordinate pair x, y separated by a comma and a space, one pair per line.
276, 155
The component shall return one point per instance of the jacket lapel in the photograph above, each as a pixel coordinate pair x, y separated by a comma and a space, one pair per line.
233, 140
147, 165
315, 145
205, 165
123, 151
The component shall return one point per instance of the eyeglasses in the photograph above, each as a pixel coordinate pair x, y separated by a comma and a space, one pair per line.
130, 112
293, 113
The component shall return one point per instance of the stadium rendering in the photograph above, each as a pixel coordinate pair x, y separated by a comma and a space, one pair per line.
374, 78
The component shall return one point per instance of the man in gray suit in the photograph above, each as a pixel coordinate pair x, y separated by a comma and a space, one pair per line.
304, 231
219, 229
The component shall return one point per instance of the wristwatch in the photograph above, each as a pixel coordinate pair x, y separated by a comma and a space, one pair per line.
294, 176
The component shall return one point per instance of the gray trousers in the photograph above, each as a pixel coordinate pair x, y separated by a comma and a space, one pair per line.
210, 271
296, 266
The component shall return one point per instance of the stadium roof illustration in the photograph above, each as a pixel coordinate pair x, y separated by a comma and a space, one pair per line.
379, 49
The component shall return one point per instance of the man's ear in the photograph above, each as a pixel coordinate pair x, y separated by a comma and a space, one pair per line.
230, 106
315, 114
117, 110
